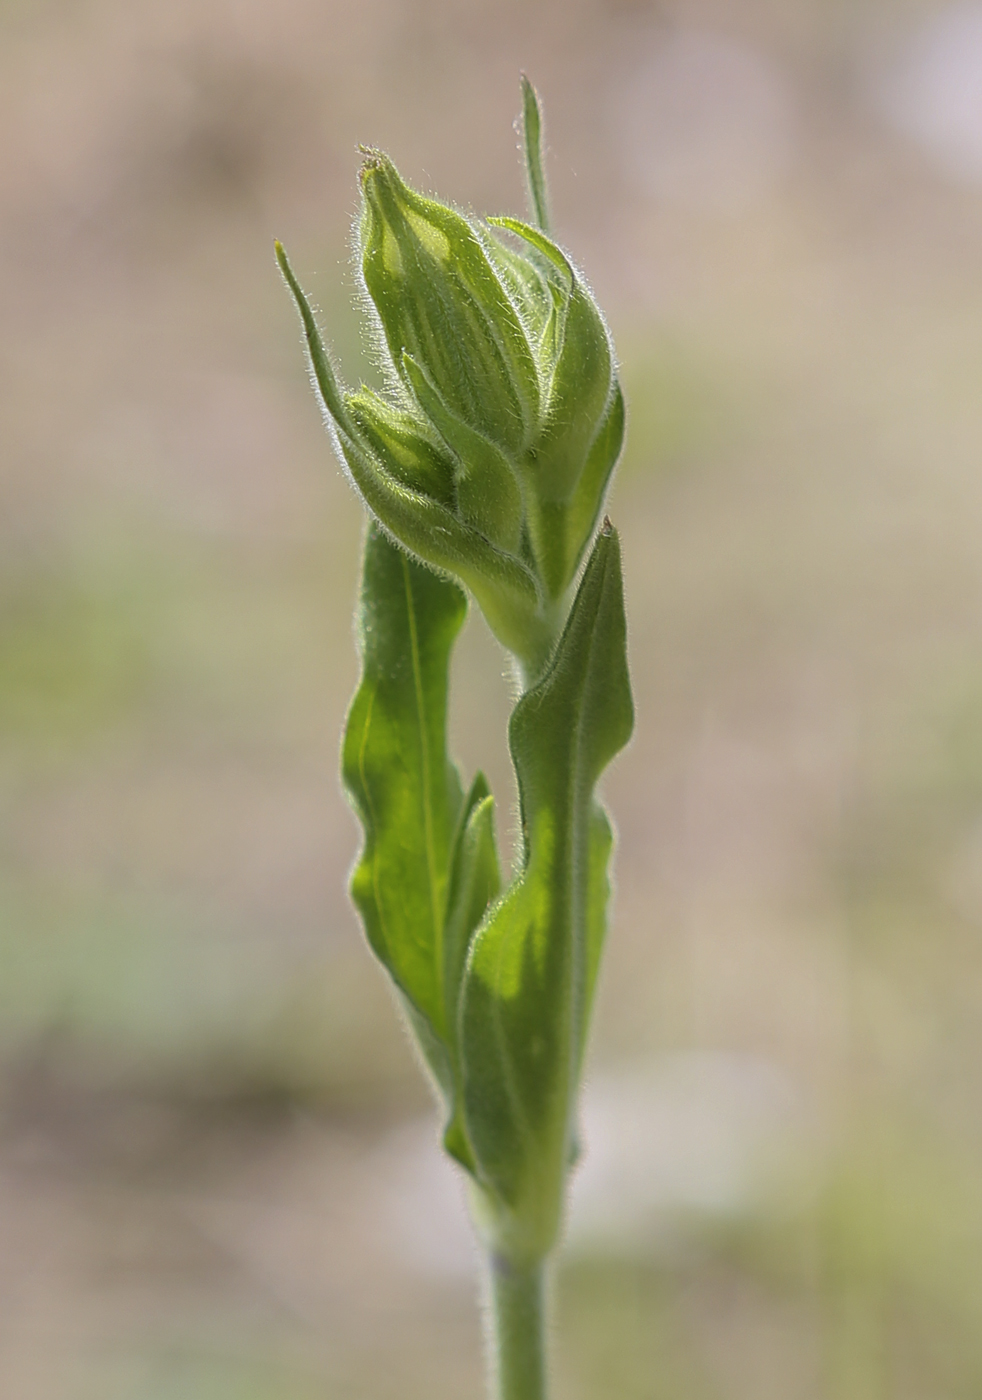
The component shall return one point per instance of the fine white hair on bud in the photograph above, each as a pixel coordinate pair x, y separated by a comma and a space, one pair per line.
490, 455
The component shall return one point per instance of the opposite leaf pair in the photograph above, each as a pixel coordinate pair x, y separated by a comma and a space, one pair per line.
498, 990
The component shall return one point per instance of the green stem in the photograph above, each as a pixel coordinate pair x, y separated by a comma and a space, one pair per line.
518, 1330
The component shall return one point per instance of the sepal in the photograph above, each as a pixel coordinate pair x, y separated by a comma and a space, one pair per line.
439, 300
488, 495
401, 442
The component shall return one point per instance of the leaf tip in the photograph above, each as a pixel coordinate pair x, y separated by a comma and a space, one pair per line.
532, 141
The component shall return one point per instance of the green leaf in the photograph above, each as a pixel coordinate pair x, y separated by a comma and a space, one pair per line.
474, 885
598, 894
580, 517
533, 963
532, 133
396, 772
428, 868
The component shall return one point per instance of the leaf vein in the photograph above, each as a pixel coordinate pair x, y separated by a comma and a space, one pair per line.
427, 792
363, 775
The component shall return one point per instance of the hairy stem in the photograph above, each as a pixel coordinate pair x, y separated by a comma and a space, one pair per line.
518, 1330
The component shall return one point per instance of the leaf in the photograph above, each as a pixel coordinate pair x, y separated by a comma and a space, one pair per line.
532, 967
532, 134
396, 772
474, 885
598, 893
581, 517
428, 867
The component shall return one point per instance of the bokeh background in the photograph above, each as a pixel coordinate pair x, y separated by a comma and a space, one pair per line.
218, 1170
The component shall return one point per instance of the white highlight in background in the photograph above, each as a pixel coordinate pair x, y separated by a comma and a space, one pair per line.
931, 91
687, 1134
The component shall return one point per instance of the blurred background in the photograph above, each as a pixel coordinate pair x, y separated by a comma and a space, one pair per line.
218, 1170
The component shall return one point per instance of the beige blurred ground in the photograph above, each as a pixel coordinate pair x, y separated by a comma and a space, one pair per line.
214, 1180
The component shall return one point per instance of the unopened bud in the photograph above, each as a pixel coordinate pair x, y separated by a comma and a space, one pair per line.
492, 455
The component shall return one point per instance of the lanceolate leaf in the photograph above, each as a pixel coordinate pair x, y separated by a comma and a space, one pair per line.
474, 884
533, 964
532, 131
428, 867
396, 771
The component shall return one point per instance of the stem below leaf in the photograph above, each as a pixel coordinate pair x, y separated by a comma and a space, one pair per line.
518, 1330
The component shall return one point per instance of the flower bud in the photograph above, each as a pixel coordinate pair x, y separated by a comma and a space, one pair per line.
491, 456
439, 301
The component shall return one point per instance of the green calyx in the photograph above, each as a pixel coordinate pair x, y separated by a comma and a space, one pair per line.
490, 455
439, 301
